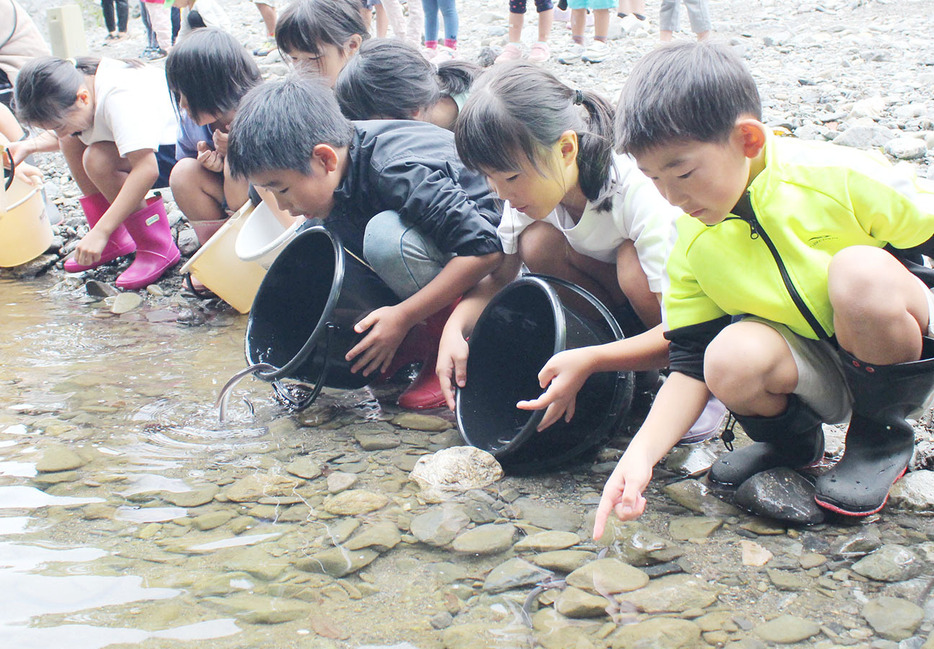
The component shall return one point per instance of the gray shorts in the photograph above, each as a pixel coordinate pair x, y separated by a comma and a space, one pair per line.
821, 383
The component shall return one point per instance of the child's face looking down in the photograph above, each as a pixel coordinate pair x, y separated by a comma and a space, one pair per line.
77, 118
328, 62
536, 192
300, 194
705, 179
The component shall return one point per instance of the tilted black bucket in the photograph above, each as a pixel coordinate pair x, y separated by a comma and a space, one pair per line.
524, 325
301, 323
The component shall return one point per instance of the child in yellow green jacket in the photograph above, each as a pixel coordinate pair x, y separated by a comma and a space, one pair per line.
785, 299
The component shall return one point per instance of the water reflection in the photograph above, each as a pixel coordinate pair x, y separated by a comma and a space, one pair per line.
125, 410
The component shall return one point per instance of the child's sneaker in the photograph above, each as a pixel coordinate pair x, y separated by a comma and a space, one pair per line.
512, 52
707, 425
572, 54
443, 54
539, 53
596, 52
268, 46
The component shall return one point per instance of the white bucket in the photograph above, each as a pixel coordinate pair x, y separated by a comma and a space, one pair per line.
217, 266
263, 236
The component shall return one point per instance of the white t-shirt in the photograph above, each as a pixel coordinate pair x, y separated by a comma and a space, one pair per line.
638, 213
211, 12
132, 108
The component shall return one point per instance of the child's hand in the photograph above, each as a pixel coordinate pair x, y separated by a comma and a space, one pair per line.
452, 362
31, 175
622, 493
387, 329
210, 159
220, 142
563, 375
90, 248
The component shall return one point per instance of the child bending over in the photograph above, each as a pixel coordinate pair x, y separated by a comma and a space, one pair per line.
114, 122
783, 300
389, 79
208, 72
396, 194
318, 37
573, 209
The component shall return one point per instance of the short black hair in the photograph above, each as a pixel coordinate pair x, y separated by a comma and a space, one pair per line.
211, 70
304, 25
279, 123
387, 79
684, 91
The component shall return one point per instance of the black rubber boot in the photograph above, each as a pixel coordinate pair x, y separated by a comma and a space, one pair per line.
879, 442
793, 439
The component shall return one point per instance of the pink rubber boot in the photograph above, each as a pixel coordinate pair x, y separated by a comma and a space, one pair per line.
156, 251
119, 244
425, 391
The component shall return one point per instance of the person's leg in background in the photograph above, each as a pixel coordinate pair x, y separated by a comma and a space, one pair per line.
267, 10
107, 7
431, 26
667, 19
415, 23
160, 19
176, 23
699, 15
451, 24
151, 42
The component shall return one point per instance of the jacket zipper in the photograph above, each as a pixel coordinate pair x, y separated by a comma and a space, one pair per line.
756, 231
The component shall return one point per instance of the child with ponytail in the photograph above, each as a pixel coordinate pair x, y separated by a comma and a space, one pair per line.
389, 79
574, 210
115, 124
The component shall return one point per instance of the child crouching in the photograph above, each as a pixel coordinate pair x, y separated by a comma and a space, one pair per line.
395, 192
782, 300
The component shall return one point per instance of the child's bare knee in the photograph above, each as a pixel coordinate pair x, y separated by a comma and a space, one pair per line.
538, 244
183, 175
99, 159
742, 359
859, 281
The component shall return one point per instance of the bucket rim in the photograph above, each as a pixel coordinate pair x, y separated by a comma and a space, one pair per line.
228, 223
619, 401
256, 255
323, 324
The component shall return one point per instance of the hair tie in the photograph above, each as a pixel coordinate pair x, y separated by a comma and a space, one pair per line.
578, 97
73, 62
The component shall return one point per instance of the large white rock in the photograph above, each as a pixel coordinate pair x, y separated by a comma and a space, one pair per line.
454, 470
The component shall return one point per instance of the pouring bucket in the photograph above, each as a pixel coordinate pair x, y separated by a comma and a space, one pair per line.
25, 231
218, 267
524, 325
263, 236
301, 325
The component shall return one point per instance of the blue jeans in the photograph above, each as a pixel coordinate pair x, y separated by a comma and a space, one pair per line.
448, 10
401, 256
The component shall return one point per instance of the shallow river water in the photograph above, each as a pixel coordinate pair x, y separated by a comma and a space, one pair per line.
130, 516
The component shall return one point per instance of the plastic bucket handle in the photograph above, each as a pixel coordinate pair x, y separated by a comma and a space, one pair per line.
320, 328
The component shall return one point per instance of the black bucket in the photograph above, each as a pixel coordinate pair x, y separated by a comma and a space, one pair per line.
301, 323
524, 325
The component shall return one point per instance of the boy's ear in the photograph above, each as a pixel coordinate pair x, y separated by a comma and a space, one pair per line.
326, 156
352, 44
568, 145
752, 134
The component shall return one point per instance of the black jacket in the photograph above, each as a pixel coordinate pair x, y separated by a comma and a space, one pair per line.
413, 168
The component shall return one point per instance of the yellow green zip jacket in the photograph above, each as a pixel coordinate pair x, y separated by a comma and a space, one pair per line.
810, 201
